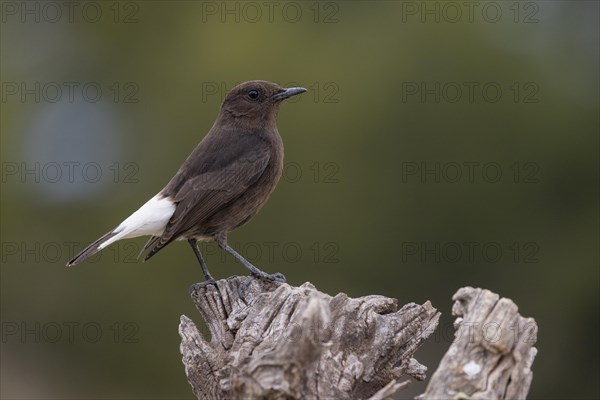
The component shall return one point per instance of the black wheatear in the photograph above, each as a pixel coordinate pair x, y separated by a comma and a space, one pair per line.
224, 182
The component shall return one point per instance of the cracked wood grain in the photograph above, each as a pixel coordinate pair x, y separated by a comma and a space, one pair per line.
492, 353
275, 341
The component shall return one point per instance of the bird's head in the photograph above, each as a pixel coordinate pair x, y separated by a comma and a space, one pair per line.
256, 101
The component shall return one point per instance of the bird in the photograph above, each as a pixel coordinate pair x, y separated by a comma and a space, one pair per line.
222, 184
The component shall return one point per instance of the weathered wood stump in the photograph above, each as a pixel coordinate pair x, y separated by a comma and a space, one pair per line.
492, 353
276, 341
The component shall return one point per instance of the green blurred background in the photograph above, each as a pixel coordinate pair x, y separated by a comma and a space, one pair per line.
405, 100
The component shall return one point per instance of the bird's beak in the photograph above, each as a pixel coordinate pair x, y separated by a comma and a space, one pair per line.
289, 92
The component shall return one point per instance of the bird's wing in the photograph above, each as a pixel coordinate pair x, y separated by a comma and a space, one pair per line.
203, 195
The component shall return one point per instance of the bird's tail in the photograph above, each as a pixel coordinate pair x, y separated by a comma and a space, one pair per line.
94, 247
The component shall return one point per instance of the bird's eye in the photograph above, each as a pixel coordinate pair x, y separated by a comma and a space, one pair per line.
253, 94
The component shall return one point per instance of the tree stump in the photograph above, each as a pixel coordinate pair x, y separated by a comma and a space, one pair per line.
492, 353
275, 341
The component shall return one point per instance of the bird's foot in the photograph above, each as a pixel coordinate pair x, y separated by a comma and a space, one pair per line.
201, 285
277, 277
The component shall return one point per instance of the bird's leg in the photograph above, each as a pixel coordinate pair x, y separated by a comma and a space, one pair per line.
253, 270
277, 277
194, 244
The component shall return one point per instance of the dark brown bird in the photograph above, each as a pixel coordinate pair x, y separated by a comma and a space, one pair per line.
224, 182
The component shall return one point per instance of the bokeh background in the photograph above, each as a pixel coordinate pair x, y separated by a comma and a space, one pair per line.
440, 145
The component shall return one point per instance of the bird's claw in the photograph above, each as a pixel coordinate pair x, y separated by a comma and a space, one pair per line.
277, 277
196, 286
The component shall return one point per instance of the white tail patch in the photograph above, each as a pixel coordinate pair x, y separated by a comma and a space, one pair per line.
149, 219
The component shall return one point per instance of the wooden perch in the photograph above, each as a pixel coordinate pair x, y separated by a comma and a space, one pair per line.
275, 341
492, 352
